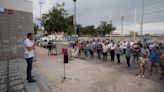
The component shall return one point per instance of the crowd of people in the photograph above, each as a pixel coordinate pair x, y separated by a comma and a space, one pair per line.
144, 54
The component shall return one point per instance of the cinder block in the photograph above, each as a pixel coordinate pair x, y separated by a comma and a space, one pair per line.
1, 52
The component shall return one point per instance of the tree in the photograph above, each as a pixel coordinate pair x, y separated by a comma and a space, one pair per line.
57, 20
106, 28
36, 28
69, 25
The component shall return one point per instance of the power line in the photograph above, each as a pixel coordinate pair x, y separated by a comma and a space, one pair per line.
148, 13
140, 6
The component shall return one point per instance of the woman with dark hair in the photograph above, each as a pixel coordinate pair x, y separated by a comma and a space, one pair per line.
112, 53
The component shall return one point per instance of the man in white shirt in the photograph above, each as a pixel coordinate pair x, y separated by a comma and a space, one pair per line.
105, 49
29, 55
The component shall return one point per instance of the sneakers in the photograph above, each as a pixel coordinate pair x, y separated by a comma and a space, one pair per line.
141, 76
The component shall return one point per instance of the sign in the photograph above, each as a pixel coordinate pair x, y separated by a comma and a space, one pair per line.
10, 11
2, 10
64, 51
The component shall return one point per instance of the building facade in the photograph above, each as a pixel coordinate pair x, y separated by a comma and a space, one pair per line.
16, 20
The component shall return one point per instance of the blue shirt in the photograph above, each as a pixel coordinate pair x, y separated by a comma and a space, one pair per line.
128, 52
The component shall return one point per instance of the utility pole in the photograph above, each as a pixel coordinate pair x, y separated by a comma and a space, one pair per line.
110, 17
135, 19
74, 18
135, 13
40, 7
122, 28
142, 17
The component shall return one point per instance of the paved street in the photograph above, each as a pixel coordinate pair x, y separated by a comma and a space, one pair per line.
92, 75
85, 75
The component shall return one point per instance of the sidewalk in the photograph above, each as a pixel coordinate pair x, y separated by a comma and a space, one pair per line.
16, 79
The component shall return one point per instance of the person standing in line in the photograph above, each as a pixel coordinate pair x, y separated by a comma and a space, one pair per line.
124, 47
112, 53
154, 58
118, 52
55, 47
81, 48
99, 49
105, 49
86, 49
49, 47
136, 51
162, 65
29, 47
78, 46
91, 49
143, 61
128, 54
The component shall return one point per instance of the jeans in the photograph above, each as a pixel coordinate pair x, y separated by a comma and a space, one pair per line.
128, 61
91, 53
86, 52
104, 56
29, 67
136, 56
118, 58
112, 53
124, 50
99, 54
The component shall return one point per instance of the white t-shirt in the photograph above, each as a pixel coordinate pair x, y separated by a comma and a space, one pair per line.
28, 53
110, 45
113, 47
105, 48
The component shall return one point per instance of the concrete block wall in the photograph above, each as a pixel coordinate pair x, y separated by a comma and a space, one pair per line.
13, 31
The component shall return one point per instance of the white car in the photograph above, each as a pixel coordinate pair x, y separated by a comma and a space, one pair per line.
43, 43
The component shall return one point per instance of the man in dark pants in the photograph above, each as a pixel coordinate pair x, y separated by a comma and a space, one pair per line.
29, 54
99, 49
118, 52
128, 54
112, 52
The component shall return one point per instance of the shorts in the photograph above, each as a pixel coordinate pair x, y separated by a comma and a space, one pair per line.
143, 60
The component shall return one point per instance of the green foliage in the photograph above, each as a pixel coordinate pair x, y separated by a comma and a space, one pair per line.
102, 30
105, 28
57, 20
36, 28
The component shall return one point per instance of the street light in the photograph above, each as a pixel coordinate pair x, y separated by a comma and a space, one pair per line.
142, 17
122, 27
40, 7
74, 18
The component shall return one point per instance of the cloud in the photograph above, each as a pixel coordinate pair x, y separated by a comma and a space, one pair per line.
92, 12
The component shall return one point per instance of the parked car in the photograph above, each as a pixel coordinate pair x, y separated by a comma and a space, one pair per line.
43, 43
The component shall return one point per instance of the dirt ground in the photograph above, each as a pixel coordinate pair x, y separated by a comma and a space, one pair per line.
91, 75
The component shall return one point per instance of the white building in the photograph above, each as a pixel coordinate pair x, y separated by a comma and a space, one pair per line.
126, 32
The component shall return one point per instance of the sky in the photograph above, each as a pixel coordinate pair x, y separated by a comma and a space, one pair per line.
92, 12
